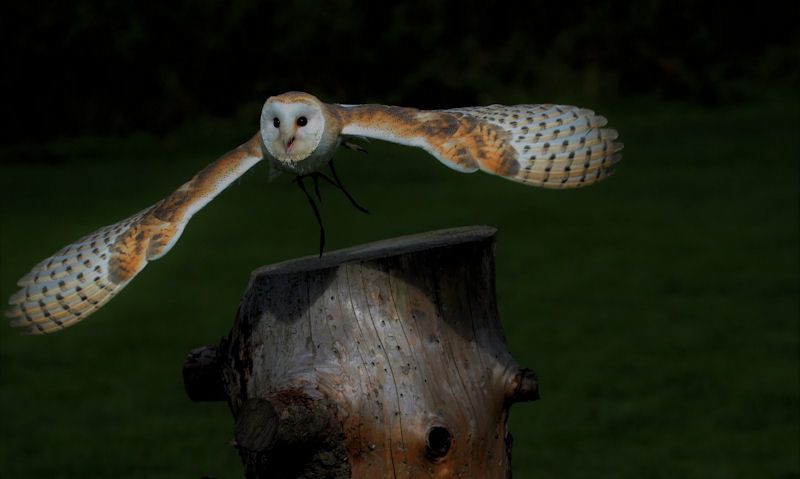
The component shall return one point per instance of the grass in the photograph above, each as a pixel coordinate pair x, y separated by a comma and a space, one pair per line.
660, 308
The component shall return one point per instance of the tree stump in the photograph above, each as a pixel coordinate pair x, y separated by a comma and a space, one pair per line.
383, 360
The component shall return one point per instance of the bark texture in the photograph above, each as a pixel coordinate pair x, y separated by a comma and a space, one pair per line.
384, 360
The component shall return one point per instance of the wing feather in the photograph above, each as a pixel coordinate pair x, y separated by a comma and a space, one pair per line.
83, 276
553, 146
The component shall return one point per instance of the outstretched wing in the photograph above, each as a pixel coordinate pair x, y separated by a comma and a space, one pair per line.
79, 279
554, 146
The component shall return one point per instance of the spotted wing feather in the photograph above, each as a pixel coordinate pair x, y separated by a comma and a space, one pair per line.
80, 278
72, 283
553, 146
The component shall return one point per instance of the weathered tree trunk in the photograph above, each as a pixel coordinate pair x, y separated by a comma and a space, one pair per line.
384, 360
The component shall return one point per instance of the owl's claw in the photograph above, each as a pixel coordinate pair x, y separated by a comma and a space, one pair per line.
354, 146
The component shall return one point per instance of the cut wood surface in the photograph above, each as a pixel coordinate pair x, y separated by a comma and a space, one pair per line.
382, 360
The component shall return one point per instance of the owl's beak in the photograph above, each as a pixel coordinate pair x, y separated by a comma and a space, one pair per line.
289, 144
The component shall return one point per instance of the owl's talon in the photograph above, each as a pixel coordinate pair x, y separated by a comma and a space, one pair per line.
354, 146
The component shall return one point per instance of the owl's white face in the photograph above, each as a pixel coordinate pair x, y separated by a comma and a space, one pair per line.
292, 126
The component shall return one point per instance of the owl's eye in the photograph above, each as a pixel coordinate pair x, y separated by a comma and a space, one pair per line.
302, 121
276, 122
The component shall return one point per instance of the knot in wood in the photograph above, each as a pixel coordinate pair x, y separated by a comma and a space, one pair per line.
438, 443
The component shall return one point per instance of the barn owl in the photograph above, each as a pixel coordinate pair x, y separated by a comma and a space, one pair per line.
543, 145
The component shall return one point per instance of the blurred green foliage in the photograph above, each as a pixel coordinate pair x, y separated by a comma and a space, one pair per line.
660, 307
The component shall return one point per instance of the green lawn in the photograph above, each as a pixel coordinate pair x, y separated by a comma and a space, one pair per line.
659, 308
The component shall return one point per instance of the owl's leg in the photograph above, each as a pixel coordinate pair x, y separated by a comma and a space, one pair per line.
301, 184
315, 179
338, 184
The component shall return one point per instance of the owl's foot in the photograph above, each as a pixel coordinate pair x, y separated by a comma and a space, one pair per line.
317, 215
338, 184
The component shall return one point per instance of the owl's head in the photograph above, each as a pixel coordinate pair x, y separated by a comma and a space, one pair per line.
292, 126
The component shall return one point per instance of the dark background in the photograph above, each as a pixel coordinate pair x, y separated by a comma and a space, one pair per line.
659, 307
116, 67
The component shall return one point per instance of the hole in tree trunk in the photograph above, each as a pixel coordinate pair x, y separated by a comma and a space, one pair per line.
439, 439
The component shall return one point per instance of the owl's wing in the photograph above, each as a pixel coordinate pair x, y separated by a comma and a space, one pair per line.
80, 278
553, 146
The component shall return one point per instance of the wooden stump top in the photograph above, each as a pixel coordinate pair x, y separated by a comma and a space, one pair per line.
383, 249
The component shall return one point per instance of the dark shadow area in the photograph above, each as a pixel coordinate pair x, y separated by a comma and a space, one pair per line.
118, 67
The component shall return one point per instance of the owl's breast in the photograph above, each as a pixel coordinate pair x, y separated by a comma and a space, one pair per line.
317, 159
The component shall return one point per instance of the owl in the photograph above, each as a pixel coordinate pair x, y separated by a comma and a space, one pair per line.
551, 146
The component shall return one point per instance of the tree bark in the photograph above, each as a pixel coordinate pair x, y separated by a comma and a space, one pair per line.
383, 360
